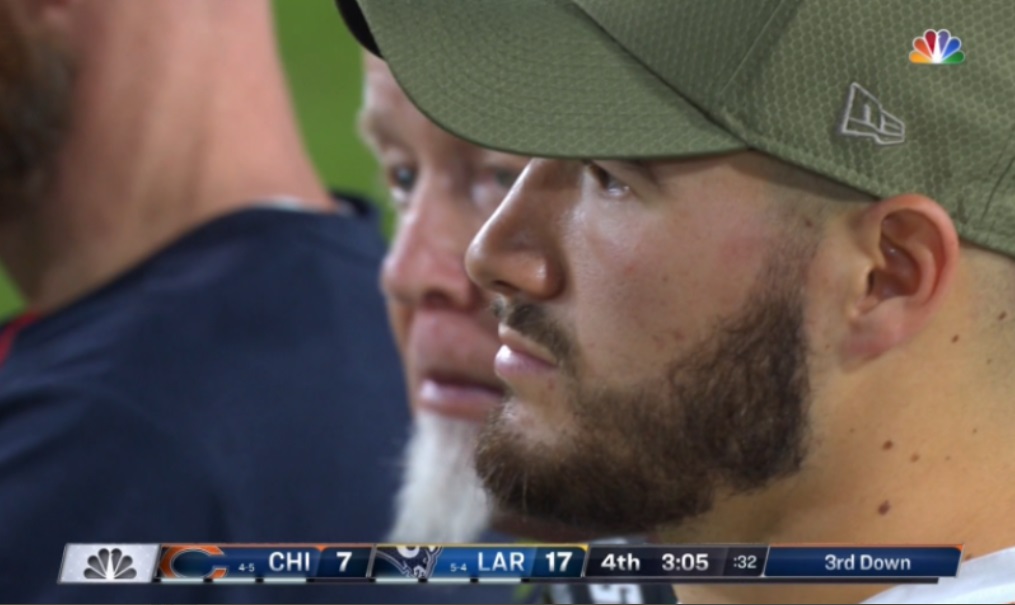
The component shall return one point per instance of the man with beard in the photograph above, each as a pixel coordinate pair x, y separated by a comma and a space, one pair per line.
761, 289
442, 189
205, 332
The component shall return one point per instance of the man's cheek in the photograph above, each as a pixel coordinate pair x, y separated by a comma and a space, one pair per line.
400, 320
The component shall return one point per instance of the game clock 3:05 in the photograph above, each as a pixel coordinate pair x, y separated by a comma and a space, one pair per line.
685, 562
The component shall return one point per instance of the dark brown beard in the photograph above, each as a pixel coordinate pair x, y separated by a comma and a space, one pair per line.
35, 91
731, 413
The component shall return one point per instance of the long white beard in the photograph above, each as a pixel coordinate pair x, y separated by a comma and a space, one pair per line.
441, 499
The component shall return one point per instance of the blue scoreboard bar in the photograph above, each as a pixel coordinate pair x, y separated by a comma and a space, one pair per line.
475, 563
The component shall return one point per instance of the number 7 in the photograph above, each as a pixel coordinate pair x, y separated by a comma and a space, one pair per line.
345, 555
565, 558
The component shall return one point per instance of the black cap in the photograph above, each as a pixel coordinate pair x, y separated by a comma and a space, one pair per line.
357, 24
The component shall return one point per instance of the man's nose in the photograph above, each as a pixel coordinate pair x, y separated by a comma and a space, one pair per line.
425, 265
516, 253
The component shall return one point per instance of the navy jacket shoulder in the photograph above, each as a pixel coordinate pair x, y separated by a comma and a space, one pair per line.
240, 385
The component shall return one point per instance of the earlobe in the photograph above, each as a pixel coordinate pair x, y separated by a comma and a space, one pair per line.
912, 249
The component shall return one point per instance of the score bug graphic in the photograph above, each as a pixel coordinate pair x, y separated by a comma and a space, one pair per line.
504, 563
478, 562
268, 562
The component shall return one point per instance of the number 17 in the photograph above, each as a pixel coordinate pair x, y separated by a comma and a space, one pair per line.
565, 558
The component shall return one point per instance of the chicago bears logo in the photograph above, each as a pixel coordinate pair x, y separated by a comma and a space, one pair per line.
411, 561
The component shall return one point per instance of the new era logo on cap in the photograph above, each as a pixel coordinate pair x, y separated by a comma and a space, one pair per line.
665, 79
864, 116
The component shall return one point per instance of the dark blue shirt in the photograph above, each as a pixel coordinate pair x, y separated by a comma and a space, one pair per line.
240, 385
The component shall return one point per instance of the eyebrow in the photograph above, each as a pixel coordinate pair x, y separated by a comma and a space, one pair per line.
376, 130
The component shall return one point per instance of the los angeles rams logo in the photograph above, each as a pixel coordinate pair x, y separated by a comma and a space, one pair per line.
410, 561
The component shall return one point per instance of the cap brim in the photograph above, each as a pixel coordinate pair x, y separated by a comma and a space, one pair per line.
357, 25
535, 77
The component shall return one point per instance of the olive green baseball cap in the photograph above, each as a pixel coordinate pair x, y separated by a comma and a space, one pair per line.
888, 97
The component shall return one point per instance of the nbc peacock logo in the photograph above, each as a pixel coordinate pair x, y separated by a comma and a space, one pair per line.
937, 47
121, 563
110, 565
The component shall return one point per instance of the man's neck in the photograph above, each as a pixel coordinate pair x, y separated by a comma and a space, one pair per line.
178, 146
914, 467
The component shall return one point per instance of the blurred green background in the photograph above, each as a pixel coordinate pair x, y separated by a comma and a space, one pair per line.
323, 64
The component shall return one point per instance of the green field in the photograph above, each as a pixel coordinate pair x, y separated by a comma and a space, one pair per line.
323, 64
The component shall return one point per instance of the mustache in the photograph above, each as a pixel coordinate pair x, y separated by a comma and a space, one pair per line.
533, 322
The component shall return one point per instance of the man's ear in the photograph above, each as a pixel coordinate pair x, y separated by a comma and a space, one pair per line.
911, 251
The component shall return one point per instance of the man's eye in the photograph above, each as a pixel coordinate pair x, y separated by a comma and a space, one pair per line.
505, 177
401, 179
606, 181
